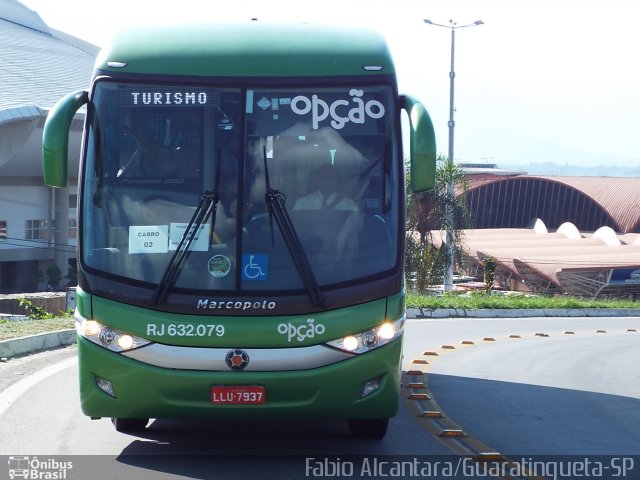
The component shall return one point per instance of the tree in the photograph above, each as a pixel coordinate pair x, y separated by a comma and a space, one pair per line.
489, 265
427, 217
72, 276
53, 275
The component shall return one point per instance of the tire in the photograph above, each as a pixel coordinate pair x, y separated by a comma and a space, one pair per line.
125, 425
371, 428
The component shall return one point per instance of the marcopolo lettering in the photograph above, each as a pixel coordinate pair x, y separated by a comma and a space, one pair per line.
341, 110
169, 98
205, 303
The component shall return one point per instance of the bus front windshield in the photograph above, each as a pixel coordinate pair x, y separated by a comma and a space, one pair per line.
325, 156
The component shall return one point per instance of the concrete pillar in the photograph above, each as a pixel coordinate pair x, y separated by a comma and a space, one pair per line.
61, 248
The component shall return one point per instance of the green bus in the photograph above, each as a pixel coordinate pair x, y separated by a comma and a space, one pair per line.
241, 224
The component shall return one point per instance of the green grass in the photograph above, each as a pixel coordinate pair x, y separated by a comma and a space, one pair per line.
24, 328
481, 300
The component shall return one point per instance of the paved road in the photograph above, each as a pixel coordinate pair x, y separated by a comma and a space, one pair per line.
559, 393
40, 416
47, 419
547, 392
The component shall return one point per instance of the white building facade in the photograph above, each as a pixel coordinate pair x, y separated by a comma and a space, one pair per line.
38, 65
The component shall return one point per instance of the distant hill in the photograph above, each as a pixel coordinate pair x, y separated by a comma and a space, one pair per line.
567, 170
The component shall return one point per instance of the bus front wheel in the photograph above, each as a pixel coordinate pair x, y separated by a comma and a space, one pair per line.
125, 425
374, 428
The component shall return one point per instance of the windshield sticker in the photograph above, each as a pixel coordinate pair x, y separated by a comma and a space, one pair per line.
200, 241
149, 239
225, 124
343, 111
255, 267
219, 266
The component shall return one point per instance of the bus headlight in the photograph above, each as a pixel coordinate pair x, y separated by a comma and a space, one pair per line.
107, 337
370, 339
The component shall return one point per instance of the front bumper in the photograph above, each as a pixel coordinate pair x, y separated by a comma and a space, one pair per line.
147, 391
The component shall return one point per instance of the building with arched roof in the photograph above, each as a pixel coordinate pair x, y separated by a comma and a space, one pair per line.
585, 238
515, 201
37, 223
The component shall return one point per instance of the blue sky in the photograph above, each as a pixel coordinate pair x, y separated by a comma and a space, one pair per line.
536, 83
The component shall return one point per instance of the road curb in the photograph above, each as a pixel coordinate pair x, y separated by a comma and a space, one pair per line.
418, 313
36, 343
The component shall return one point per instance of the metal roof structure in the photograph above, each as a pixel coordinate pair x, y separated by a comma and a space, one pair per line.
591, 264
591, 246
551, 234
588, 202
38, 65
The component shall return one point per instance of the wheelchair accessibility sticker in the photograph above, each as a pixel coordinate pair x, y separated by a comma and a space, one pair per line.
255, 267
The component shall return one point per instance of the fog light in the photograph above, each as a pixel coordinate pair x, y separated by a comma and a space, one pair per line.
370, 387
105, 386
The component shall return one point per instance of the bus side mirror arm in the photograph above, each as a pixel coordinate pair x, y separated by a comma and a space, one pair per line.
55, 138
422, 145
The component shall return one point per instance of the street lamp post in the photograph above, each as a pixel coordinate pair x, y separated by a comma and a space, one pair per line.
448, 276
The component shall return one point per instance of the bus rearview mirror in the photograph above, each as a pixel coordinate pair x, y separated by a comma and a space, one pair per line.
55, 138
422, 145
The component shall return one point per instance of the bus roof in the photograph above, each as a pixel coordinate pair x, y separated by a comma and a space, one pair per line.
252, 49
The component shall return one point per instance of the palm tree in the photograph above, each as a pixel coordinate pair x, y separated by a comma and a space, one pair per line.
430, 213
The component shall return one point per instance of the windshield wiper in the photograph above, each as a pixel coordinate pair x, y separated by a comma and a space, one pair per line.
275, 201
207, 206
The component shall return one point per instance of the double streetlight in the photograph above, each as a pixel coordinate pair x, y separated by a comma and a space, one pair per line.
448, 277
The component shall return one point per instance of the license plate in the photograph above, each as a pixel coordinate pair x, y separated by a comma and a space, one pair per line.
237, 395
